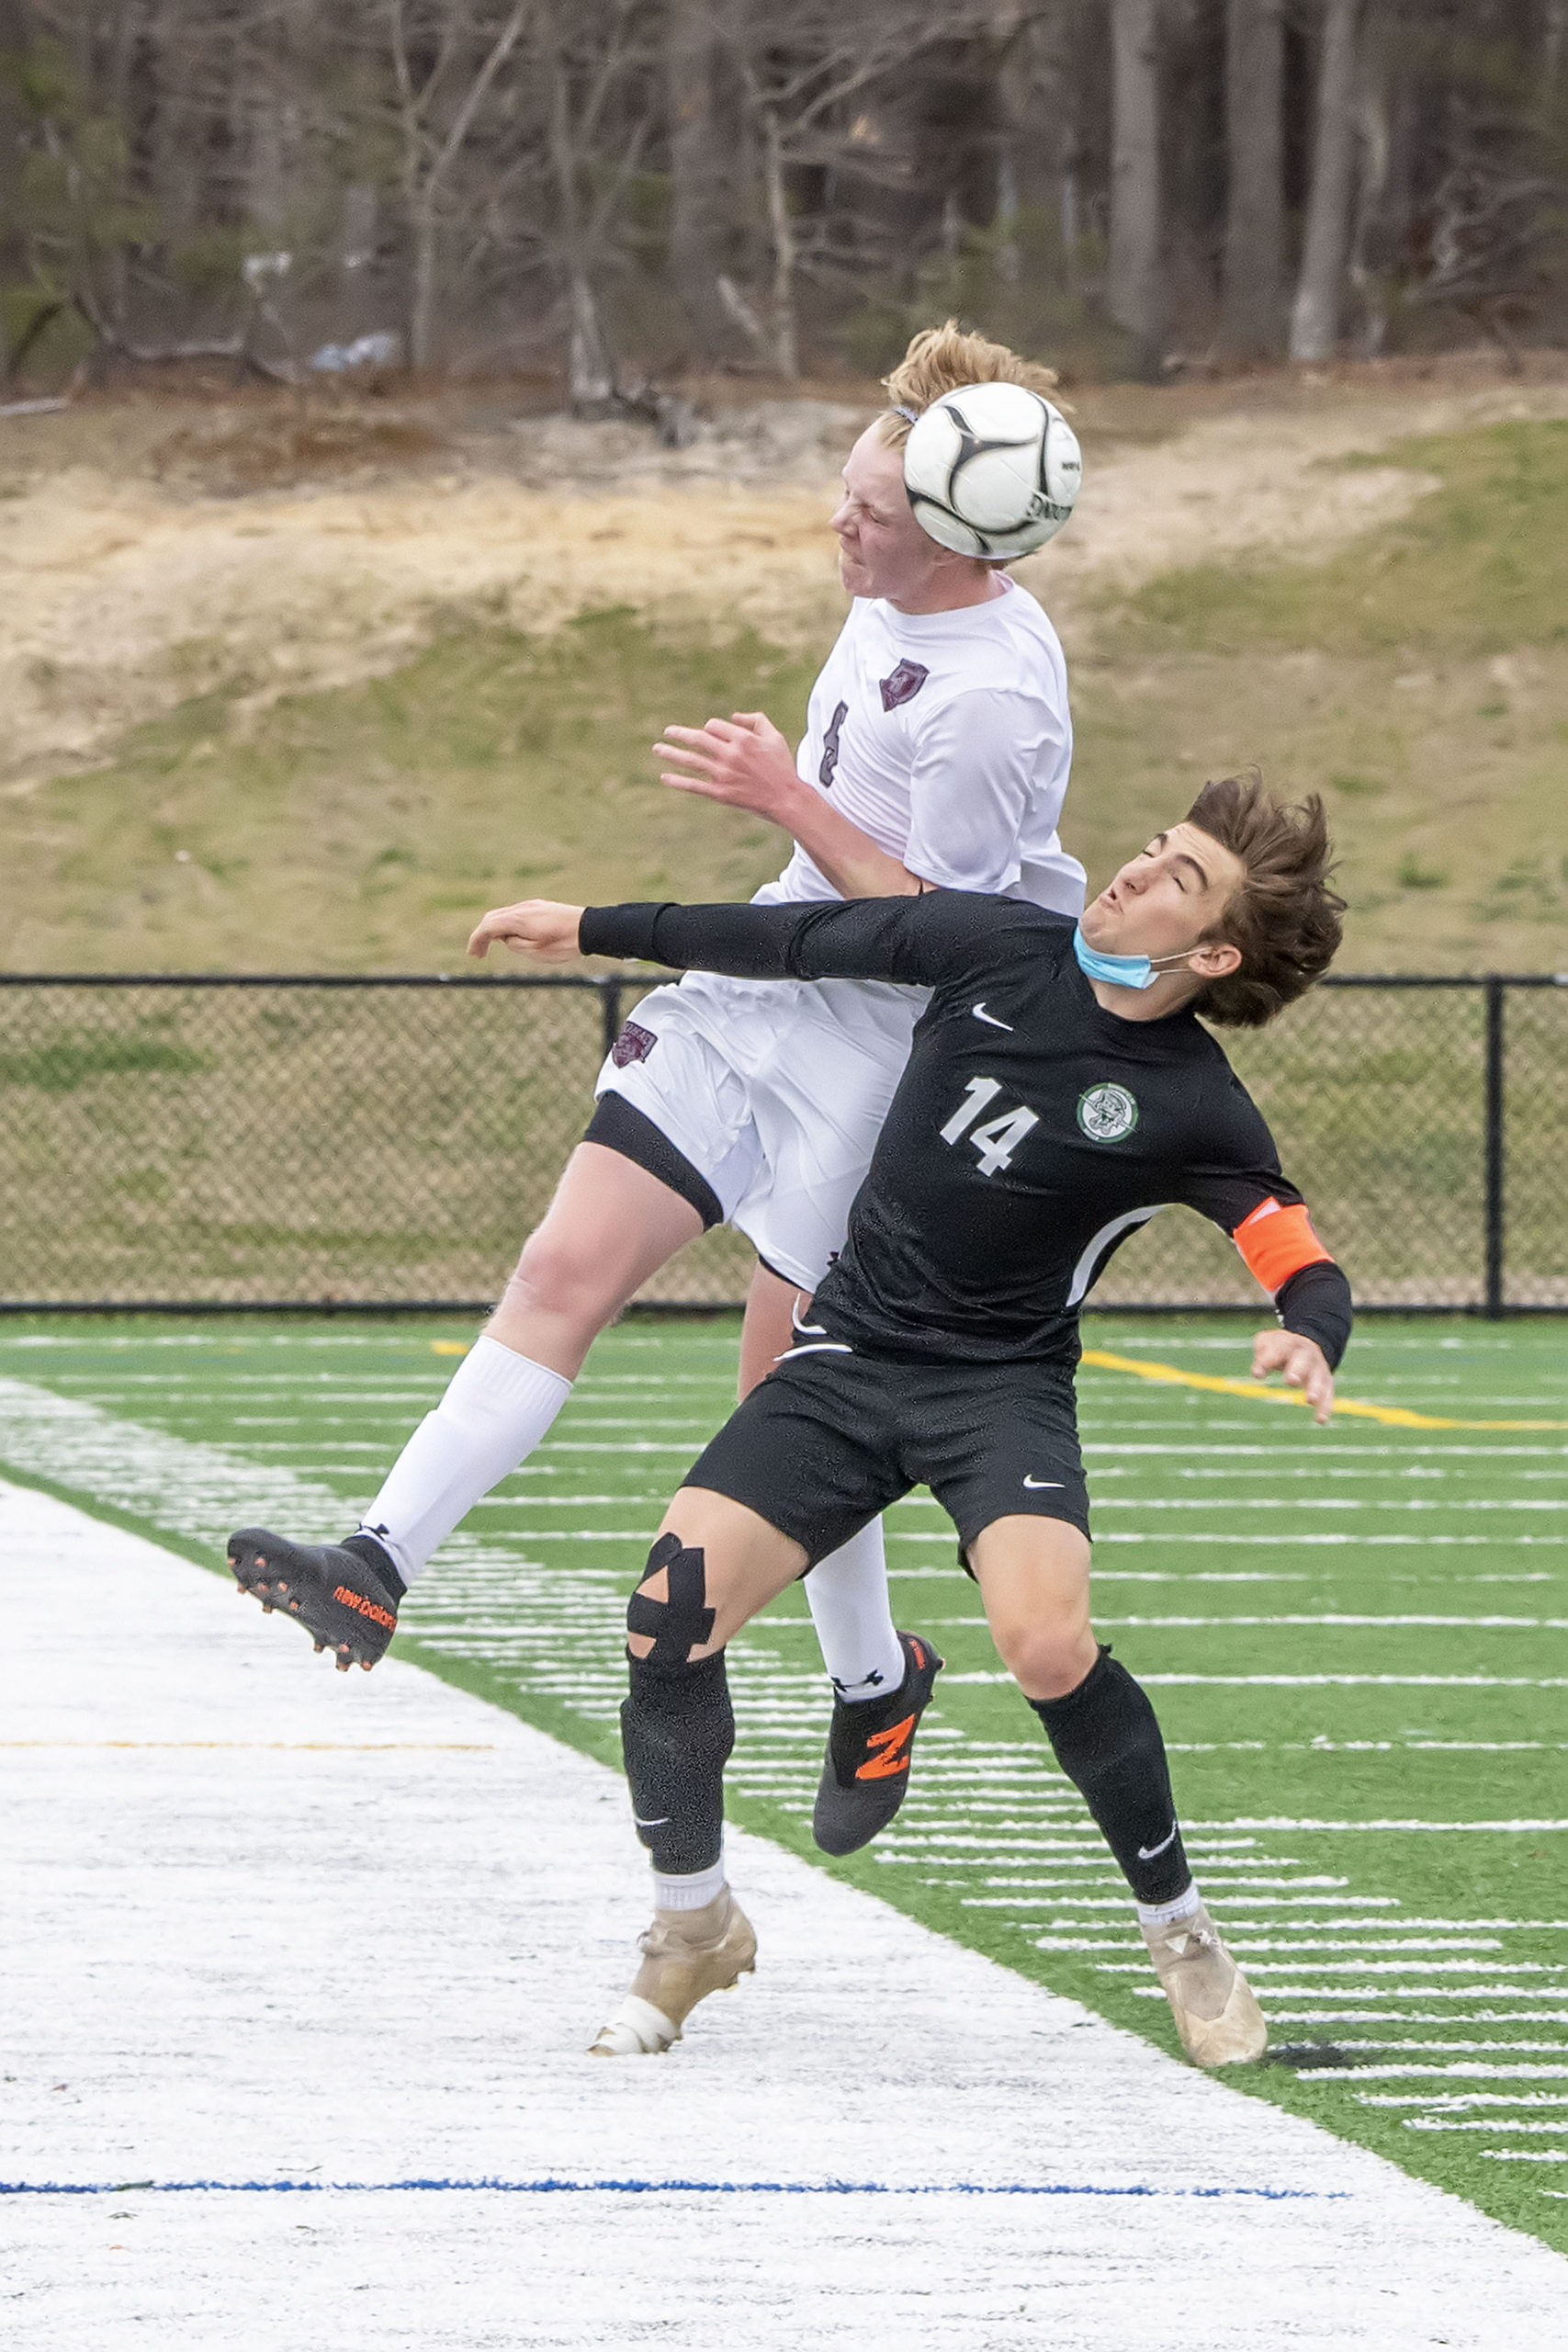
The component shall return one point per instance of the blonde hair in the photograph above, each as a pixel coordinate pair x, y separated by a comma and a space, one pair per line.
943, 359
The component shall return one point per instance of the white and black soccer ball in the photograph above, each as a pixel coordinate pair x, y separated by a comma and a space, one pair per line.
992, 469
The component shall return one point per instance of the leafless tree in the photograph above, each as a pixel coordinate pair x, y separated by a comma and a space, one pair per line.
1255, 211
445, 61
1314, 320
732, 182
1136, 288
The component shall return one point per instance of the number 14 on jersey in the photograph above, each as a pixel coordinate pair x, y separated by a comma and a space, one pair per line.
995, 1139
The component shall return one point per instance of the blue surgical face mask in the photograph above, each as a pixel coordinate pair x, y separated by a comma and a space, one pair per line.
1119, 971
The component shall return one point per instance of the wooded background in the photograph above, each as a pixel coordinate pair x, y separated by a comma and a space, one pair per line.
616, 190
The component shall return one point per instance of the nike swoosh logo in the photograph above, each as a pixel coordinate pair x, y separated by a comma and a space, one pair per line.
811, 1330
1042, 1482
1148, 1853
639, 1823
990, 1019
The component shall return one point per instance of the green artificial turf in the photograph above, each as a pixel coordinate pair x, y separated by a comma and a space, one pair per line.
1355, 1639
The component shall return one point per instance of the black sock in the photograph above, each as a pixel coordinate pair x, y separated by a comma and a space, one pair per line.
1107, 1741
677, 1730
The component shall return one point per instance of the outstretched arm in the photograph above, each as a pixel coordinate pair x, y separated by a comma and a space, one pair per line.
914, 940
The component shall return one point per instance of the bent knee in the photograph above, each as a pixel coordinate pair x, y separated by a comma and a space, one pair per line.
1046, 1661
559, 1274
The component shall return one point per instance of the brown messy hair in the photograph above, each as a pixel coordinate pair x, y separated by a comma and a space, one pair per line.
1283, 917
944, 359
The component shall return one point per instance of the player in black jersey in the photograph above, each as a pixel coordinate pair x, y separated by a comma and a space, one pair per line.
1060, 1090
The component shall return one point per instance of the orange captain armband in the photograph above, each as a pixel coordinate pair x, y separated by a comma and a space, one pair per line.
1277, 1242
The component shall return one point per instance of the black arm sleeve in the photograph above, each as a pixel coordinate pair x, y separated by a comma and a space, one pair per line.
921, 940
1315, 1304
1240, 1176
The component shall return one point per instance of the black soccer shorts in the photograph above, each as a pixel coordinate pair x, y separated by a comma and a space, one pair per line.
828, 1440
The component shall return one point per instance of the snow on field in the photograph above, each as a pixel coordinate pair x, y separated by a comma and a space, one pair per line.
299, 1974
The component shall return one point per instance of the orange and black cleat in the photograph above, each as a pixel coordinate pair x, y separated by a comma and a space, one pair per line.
345, 1595
866, 1769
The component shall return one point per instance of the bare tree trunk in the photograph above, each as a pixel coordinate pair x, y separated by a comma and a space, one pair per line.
1368, 271
590, 378
426, 163
1314, 320
696, 177
781, 229
424, 237
1553, 41
1255, 221
1135, 289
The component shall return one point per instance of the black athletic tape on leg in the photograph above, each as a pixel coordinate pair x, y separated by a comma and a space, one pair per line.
677, 1730
1107, 1739
682, 1623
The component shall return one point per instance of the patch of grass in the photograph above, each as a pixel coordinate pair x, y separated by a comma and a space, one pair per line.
1475, 568
69, 1062
1370, 676
1414, 876
367, 826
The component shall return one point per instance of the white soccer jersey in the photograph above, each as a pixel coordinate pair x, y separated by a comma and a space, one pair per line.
945, 738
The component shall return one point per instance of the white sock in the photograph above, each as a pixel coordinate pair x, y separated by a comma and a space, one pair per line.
1166, 1915
691, 1894
847, 1594
497, 1407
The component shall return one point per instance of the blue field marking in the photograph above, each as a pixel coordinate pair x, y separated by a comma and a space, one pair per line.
546, 2187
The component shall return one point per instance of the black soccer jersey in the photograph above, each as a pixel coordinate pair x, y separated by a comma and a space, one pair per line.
1031, 1133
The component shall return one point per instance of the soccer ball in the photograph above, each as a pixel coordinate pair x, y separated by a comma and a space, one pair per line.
992, 469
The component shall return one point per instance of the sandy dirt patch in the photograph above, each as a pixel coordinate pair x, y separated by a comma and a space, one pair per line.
126, 587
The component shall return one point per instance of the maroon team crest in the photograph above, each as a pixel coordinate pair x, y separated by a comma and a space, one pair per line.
902, 683
633, 1045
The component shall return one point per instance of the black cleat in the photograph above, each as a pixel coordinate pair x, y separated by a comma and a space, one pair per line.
345, 1595
866, 1769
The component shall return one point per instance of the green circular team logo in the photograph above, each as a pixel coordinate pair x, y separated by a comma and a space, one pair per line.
1106, 1114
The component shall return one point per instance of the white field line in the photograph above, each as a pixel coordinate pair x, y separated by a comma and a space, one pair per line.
1317, 1682
1168, 1624
1451, 2102
318, 1966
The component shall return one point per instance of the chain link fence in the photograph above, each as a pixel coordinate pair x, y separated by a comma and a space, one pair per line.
311, 1143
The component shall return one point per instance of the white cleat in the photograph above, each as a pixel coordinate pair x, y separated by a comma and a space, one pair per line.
686, 1956
1215, 2009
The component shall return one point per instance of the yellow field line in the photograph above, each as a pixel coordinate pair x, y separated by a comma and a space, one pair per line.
1397, 1417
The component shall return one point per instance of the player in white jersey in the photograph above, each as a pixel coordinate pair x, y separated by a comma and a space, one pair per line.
942, 737
936, 756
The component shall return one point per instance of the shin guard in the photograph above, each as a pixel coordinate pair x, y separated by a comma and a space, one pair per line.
1107, 1740
677, 1730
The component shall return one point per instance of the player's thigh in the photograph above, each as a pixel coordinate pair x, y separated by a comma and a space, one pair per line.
998, 1445
1034, 1574
767, 1331
610, 1226
744, 1564
818, 1108
811, 1451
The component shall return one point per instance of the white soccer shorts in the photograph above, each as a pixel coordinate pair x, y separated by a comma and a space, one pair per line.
775, 1091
